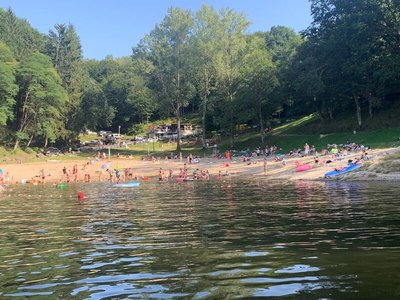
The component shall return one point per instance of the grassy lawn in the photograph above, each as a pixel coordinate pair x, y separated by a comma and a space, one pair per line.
288, 136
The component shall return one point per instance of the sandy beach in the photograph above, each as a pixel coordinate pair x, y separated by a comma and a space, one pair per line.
52, 169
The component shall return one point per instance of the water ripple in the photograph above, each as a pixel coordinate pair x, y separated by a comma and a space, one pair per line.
228, 239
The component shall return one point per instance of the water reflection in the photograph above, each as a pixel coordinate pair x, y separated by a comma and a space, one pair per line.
201, 240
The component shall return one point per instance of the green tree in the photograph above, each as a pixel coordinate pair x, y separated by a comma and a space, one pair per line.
141, 101
282, 42
205, 51
259, 81
95, 112
19, 35
353, 45
124, 84
41, 100
229, 61
64, 48
8, 88
167, 47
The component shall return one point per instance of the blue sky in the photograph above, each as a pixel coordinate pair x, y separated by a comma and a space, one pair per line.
114, 26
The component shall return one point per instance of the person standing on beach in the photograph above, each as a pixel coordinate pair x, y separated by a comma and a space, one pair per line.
75, 172
65, 174
117, 174
306, 149
227, 155
110, 175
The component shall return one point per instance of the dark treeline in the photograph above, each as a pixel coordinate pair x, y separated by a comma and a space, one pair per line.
347, 60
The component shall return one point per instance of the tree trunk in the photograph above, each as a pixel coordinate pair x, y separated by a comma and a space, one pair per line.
358, 110
261, 123
30, 141
370, 106
232, 131
330, 113
205, 99
16, 144
178, 130
46, 141
203, 121
231, 121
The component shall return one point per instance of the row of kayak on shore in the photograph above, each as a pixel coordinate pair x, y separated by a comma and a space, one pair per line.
333, 173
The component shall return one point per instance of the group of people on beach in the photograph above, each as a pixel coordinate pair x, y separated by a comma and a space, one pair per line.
197, 174
91, 170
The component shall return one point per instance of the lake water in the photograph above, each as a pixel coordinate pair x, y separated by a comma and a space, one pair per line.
202, 240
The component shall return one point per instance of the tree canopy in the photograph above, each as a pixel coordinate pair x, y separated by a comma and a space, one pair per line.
347, 60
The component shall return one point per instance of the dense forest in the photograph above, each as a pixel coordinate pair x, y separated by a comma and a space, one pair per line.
205, 63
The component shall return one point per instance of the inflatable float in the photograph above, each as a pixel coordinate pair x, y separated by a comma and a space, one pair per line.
341, 171
303, 168
127, 184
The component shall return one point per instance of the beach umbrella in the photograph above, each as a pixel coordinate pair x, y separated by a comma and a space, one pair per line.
105, 166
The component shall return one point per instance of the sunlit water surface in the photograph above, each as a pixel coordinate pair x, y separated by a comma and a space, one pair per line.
202, 240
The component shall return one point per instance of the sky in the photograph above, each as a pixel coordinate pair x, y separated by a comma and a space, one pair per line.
113, 27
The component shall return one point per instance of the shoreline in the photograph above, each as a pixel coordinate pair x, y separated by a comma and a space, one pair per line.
52, 169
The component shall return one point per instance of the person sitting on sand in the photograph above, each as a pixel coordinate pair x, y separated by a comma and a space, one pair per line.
246, 159
196, 174
87, 178
42, 175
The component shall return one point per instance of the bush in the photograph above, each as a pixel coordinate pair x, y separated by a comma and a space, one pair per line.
4, 152
30, 151
138, 129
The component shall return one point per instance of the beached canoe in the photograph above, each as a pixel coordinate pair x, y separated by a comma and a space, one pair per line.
344, 170
127, 184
